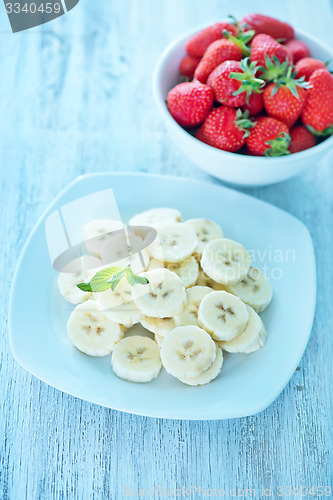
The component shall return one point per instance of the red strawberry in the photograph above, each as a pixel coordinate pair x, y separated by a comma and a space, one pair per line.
225, 128
301, 139
269, 25
233, 81
298, 49
264, 46
285, 99
200, 42
318, 111
217, 52
305, 67
187, 66
254, 104
189, 103
269, 137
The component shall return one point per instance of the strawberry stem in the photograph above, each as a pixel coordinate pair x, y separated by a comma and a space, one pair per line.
248, 78
243, 122
278, 146
327, 131
241, 40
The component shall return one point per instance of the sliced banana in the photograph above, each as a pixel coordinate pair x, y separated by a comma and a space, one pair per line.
163, 297
189, 315
84, 268
96, 233
204, 280
223, 315
174, 243
156, 217
155, 264
119, 305
159, 339
225, 261
254, 290
251, 339
208, 375
159, 326
138, 262
206, 231
91, 331
136, 359
187, 270
187, 351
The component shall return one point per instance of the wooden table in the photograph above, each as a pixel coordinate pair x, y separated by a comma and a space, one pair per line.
76, 98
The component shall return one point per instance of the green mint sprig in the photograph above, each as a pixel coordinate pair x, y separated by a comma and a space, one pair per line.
110, 278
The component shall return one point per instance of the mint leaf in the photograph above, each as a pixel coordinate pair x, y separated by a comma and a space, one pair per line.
99, 283
110, 278
116, 278
85, 287
133, 279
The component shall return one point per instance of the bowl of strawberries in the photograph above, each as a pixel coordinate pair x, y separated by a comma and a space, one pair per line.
249, 101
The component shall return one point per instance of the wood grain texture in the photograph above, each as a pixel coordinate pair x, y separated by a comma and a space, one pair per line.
76, 98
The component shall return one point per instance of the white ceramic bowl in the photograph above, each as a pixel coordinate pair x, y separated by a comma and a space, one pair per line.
232, 167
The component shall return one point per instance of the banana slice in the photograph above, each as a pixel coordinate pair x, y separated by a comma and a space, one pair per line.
91, 331
225, 261
156, 217
159, 339
206, 231
155, 264
138, 262
174, 243
204, 280
159, 326
223, 315
187, 351
136, 359
254, 290
83, 269
163, 297
187, 270
119, 305
208, 375
189, 315
96, 233
251, 339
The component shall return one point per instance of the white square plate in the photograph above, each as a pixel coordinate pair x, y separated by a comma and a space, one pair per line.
248, 383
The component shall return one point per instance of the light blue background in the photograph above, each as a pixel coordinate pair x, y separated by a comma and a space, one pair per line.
76, 98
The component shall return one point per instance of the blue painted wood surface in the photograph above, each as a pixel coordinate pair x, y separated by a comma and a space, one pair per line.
76, 98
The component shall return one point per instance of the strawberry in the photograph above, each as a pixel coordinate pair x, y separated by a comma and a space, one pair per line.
189, 103
318, 111
187, 66
199, 43
254, 104
225, 128
233, 81
301, 139
268, 25
306, 66
298, 49
264, 46
269, 137
285, 99
217, 52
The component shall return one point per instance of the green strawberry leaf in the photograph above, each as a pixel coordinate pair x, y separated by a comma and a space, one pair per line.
278, 146
327, 131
